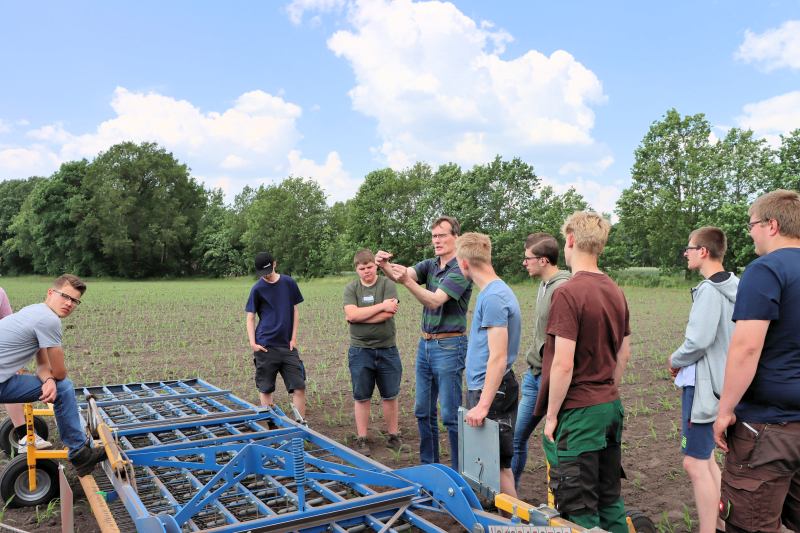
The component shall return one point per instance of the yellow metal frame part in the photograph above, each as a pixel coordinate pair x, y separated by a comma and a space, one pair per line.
97, 503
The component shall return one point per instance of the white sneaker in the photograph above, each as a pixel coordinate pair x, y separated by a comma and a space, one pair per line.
40, 444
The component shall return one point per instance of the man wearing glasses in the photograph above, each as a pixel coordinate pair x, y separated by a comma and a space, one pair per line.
541, 261
758, 424
444, 292
699, 366
35, 331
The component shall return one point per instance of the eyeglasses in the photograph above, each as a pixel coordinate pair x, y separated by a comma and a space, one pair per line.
67, 297
440, 235
691, 248
750, 225
531, 257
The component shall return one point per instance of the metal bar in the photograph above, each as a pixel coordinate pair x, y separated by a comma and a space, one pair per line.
160, 398
105, 520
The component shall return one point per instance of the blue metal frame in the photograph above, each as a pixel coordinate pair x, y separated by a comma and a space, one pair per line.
203, 459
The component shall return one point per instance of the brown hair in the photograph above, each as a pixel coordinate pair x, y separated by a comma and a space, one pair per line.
475, 248
454, 225
543, 245
590, 230
780, 205
69, 279
363, 256
712, 239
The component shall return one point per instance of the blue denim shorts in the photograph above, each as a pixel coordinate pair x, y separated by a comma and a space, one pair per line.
697, 440
375, 366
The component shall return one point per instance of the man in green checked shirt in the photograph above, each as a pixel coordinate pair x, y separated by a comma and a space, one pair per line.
442, 347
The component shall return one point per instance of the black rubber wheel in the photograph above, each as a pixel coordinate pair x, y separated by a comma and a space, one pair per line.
641, 522
8, 442
14, 482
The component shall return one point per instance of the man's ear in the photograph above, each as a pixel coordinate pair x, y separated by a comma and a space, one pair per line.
570, 240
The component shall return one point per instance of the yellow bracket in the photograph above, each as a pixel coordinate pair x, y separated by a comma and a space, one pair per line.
524, 510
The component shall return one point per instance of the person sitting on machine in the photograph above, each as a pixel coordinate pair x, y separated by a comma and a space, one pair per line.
35, 331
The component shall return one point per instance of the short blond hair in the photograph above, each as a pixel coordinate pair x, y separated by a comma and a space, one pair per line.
475, 248
589, 229
780, 205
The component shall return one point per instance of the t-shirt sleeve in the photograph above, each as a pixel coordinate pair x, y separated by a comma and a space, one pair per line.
48, 332
252, 302
495, 312
421, 269
564, 319
759, 294
454, 284
297, 297
349, 297
390, 290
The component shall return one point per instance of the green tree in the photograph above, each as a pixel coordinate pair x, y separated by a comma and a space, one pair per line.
787, 171
47, 231
145, 211
218, 245
388, 212
290, 220
672, 190
13, 194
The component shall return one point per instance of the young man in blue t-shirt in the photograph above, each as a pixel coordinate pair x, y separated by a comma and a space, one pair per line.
274, 299
492, 388
758, 424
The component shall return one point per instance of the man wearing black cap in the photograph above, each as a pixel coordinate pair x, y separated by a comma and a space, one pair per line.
274, 298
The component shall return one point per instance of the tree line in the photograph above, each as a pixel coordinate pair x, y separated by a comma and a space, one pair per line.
135, 211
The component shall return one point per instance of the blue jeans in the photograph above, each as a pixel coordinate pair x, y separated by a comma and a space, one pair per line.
25, 388
439, 373
526, 423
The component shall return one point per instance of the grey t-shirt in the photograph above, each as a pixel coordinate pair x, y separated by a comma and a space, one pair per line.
381, 335
23, 333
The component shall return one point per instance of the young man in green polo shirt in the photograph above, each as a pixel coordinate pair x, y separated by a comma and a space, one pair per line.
370, 303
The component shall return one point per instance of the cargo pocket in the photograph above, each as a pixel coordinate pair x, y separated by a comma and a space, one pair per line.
566, 485
747, 503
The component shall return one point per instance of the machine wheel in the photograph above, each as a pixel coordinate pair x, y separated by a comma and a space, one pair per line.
9, 444
14, 482
641, 522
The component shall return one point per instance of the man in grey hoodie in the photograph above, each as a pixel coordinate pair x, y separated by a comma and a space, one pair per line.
699, 367
541, 261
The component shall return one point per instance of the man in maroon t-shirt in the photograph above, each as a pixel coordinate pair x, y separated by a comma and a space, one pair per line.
587, 348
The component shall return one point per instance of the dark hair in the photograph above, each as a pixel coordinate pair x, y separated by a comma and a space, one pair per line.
712, 239
363, 257
543, 245
69, 279
456, 227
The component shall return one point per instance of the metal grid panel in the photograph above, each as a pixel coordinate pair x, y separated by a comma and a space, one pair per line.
207, 459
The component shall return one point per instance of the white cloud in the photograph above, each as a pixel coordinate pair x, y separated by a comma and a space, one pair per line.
772, 117
21, 163
335, 180
251, 142
601, 197
434, 80
773, 49
592, 167
297, 8
4, 127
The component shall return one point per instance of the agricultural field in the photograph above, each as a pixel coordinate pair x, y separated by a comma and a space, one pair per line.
128, 331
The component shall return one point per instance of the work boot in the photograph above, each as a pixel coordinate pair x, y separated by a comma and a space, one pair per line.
86, 458
362, 446
394, 442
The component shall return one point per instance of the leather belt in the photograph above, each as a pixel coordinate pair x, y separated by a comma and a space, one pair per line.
434, 336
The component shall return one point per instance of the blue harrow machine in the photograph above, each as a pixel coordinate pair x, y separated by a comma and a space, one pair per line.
187, 456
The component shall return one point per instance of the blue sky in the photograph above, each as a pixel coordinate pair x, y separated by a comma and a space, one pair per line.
250, 92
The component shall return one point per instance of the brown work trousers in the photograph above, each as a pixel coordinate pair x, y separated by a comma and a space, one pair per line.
761, 481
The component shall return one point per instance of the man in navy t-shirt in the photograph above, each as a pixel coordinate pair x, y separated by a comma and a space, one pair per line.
274, 299
759, 410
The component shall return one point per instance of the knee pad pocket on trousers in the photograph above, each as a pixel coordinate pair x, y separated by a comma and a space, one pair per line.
567, 486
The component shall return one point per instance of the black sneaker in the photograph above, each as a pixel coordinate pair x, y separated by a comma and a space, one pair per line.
86, 458
362, 447
394, 442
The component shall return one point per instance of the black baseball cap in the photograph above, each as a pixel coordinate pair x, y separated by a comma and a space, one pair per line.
264, 263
